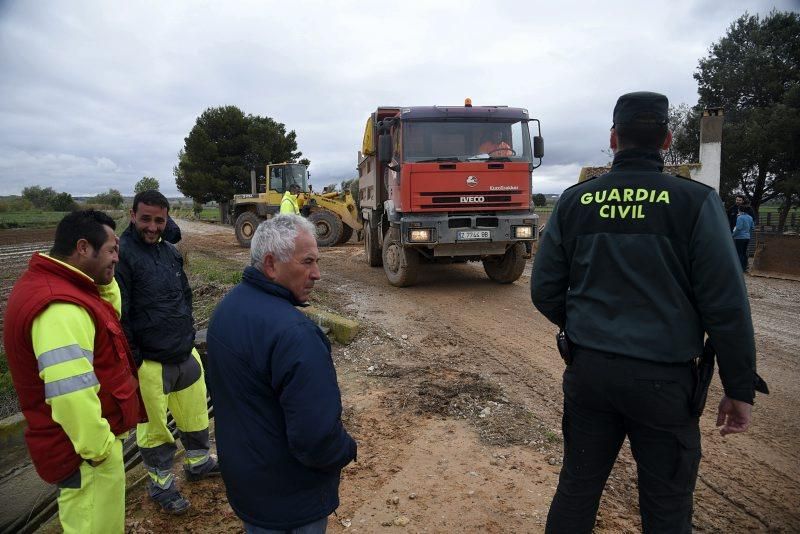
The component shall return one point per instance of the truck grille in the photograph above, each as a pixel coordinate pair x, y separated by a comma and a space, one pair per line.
466, 199
466, 222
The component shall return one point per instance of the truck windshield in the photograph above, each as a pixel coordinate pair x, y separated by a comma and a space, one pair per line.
466, 141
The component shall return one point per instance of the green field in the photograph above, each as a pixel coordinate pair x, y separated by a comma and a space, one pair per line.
30, 219
49, 219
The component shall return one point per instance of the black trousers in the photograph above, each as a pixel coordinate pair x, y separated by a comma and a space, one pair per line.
606, 398
741, 250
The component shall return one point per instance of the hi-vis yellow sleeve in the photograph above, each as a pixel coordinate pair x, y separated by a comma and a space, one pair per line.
112, 294
63, 341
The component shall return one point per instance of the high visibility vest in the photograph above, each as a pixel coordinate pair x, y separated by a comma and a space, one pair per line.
45, 282
289, 204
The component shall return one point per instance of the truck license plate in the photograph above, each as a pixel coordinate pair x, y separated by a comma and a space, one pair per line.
474, 234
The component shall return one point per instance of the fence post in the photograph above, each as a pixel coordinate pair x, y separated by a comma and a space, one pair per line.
769, 216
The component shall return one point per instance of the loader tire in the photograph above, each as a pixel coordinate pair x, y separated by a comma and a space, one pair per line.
400, 263
329, 227
245, 227
371, 248
347, 233
507, 268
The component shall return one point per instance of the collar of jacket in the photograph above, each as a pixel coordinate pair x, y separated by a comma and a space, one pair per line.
640, 159
43, 263
131, 231
257, 278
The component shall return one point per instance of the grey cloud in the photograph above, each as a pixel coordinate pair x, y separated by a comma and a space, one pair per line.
97, 94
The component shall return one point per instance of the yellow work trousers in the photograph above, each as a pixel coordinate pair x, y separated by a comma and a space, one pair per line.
93, 500
188, 405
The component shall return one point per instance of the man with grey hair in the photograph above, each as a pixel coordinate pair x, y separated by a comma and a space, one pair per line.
280, 438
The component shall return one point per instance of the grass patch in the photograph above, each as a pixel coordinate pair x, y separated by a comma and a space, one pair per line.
212, 269
551, 437
210, 278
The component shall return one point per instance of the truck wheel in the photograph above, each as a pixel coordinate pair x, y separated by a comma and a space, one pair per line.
371, 248
400, 263
329, 227
347, 233
245, 227
508, 267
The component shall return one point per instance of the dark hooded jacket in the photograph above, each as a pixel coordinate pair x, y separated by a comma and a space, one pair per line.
280, 438
156, 299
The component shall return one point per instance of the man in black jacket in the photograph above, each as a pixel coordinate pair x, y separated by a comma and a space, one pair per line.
157, 319
636, 266
740, 203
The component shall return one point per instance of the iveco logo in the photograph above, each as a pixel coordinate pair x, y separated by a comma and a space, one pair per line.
472, 199
472, 181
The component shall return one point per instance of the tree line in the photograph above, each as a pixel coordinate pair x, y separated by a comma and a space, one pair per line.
753, 74
48, 199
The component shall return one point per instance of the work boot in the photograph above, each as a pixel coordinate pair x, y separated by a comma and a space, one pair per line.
170, 499
208, 469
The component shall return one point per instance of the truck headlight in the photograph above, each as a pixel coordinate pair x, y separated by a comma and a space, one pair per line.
419, 235
523, 232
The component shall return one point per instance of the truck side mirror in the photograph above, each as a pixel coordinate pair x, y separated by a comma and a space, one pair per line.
384, 148
538, 146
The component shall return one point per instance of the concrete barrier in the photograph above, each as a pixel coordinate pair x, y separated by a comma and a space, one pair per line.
343, 330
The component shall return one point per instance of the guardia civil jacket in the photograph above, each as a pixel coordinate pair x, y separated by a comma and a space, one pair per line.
156, 299
641, 263
280, 438
81, 392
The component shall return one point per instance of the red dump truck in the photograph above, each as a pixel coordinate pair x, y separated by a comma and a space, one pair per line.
445, 184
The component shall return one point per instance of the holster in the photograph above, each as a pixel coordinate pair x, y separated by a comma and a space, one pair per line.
703, 368
563, 344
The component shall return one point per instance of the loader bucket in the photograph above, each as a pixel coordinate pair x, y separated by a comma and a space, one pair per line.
777, 255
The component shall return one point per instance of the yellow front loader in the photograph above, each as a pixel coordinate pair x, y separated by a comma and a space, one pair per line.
334, 215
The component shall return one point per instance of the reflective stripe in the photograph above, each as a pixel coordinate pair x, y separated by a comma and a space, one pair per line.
196, 457
68, 385
63, 354
162, 479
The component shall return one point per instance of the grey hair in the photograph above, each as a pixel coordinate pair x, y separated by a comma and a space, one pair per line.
276, 236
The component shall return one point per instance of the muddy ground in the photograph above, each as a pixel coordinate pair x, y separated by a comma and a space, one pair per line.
453, 391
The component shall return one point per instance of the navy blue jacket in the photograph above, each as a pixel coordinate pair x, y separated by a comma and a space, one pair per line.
277, 406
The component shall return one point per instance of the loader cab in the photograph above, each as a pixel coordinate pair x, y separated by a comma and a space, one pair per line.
282, 175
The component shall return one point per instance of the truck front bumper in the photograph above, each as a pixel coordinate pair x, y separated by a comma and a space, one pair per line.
468, 234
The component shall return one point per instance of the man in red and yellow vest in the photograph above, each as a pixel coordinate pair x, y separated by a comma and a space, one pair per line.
73, 371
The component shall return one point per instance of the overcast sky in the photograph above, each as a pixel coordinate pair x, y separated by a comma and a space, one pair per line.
97, 94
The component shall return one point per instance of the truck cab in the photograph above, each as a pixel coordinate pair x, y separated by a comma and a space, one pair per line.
448, 183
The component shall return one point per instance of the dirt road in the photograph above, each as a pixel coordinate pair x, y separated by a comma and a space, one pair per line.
453, 393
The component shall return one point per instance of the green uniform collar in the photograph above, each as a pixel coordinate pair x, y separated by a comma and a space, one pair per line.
640, 159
